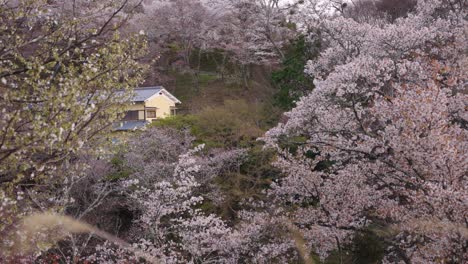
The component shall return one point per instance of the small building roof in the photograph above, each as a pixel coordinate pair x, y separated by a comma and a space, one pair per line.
130, 125
143, 94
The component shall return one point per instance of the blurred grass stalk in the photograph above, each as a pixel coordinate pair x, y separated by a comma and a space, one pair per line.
300, 243
48, 228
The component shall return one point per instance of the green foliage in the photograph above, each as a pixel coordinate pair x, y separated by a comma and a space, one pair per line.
291, 81
174, 47
188, 86
235, 124
253, 177
207, 60
209, 207
119, 168
292, 144
368, 248
206, 77
213, 61
184, 86
270, 114
258, 165
189, 79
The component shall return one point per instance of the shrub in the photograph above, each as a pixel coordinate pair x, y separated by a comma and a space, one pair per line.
235, 124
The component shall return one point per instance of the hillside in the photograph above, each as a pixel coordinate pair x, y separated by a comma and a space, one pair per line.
204, 85
310, 132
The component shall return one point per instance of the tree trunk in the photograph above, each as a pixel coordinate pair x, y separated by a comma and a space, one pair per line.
223, 66
244, 75
197, 72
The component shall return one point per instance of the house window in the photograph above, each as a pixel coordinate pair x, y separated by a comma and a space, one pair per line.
150, 113
131, 115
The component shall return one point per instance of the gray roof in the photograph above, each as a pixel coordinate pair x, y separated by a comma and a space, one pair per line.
130, 125
144, 93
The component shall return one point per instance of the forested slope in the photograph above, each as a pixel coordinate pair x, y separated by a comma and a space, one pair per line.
310, 132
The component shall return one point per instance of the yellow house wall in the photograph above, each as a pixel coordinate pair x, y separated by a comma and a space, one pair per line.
163, 104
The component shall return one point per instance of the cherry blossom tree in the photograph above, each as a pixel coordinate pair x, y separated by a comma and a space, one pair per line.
60, 81
379, 146
382, 139
245, 32
258, 30
179, 25
65, 74
170, 228
169, 193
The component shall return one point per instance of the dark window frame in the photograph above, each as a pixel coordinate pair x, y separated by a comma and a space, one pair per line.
148, 111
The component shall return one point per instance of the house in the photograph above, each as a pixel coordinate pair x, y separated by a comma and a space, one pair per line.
149, 103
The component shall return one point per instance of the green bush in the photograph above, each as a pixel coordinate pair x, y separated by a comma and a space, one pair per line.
119, 168
290, 80
235, 124
252, 178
